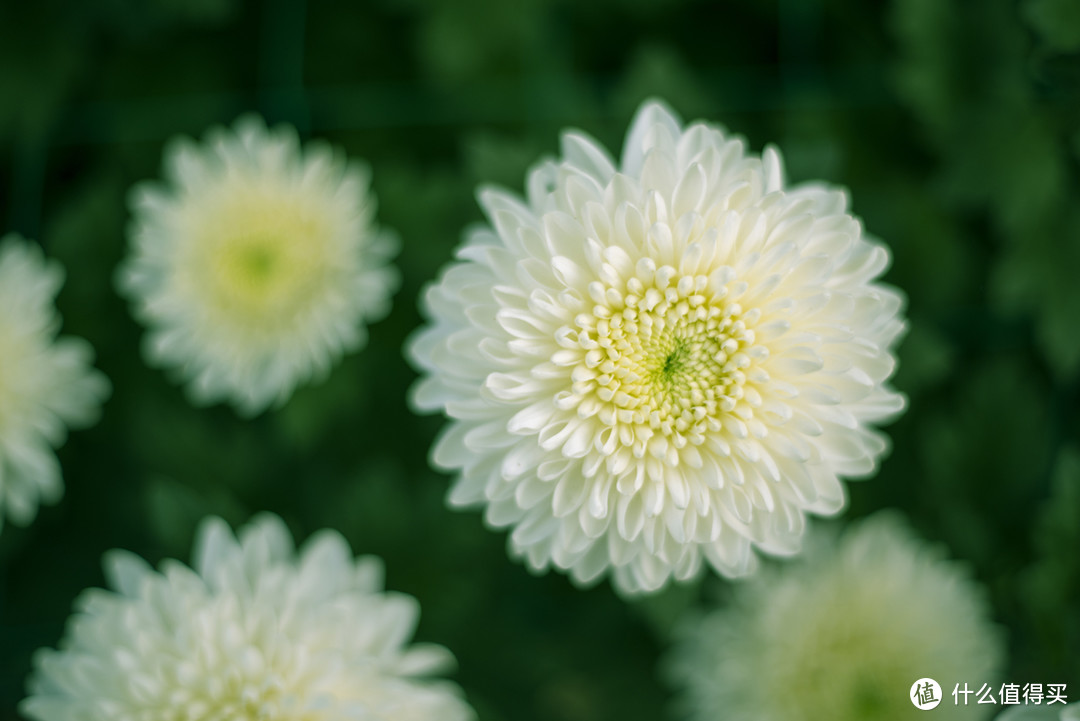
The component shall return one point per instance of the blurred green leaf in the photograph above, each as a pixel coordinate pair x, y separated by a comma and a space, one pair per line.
175, 510
1056, 21
1051, 585
500, 160
666, 610
925, 359
983, 451
659, 71
1038, 277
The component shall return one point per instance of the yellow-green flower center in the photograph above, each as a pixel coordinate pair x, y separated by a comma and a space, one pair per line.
663, 355
253, 266
266, 256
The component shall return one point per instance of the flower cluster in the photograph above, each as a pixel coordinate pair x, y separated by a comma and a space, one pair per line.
649, 366
662, 362
47, 384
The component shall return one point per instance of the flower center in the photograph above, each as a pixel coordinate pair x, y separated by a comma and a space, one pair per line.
266, 259
251, 265
688, 370
664, 355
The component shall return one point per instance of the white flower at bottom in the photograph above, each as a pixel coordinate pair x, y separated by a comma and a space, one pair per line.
841, 634
47, 383
255, 631
665, 363
257, 265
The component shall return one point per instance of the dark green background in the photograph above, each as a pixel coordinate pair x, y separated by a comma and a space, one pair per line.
955, 124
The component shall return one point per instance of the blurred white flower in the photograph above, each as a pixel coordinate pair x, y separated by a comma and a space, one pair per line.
671, 360
256, 265
254, 631
841, 634
47, 384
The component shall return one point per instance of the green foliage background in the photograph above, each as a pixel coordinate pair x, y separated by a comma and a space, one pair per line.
956, 124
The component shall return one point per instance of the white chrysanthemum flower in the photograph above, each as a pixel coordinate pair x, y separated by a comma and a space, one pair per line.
255, 631
47, 384
842, 634
671, 360
257, 265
